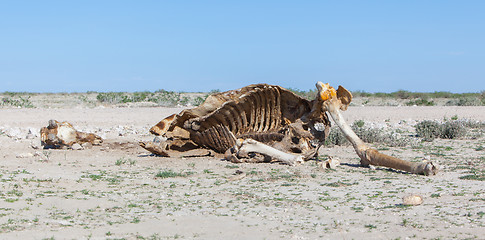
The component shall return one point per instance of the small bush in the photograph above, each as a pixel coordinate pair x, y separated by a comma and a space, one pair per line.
335, 137
452, 130
428, 130
359, 123
367, 134
199, 100
469, 101
20, 102
473, 124
420, 102
111, 97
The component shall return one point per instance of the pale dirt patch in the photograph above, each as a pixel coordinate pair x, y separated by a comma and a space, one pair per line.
111, 192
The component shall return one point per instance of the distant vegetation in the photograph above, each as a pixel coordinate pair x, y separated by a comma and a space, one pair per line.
426, 130
160, 97
414, 98
171, 98
14, 99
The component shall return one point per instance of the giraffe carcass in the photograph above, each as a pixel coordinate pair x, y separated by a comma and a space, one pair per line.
262, 123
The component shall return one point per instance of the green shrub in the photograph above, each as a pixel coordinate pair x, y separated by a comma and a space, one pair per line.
452, 130
111, 97
20, 102
428, 130
199, 100
336, 137
469, 101
367, 134
420, 102
166, 98
359, 123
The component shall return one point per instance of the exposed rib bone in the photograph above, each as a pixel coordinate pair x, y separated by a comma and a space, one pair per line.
372, 156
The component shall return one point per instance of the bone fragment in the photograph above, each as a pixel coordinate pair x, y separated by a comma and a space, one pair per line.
369, 155
330, 164
252, 146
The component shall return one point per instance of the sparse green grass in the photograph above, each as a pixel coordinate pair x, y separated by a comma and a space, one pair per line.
170, 174
476, 177
338, 184
123, 160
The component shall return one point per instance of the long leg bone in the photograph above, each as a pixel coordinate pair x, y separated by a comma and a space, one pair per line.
243, 147
368, 155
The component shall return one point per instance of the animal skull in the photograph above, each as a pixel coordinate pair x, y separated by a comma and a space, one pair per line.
62, 134
261, 123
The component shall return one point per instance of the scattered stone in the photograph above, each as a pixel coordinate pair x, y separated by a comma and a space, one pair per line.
24, 155
14, 133
412, 200
35, 144
32, 133
87, 145
76, 146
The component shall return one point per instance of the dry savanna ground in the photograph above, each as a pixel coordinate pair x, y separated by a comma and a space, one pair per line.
119, 191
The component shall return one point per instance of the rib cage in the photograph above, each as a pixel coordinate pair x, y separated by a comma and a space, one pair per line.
255, 113
260, 111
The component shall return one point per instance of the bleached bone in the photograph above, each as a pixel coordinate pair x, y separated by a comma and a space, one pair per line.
336, 100
244, 147
330, 164
62, 134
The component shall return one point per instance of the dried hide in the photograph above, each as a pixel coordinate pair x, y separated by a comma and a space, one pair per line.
265, 123
264, 113
62, 134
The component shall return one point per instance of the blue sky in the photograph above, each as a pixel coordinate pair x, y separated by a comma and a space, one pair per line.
374, 46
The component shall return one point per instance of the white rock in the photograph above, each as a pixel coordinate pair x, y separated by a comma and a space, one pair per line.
87, 145
412, 200
15, 133
76, 146
24, 155
34, 131
35, 144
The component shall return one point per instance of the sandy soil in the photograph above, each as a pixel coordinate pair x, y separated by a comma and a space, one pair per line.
112, 192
